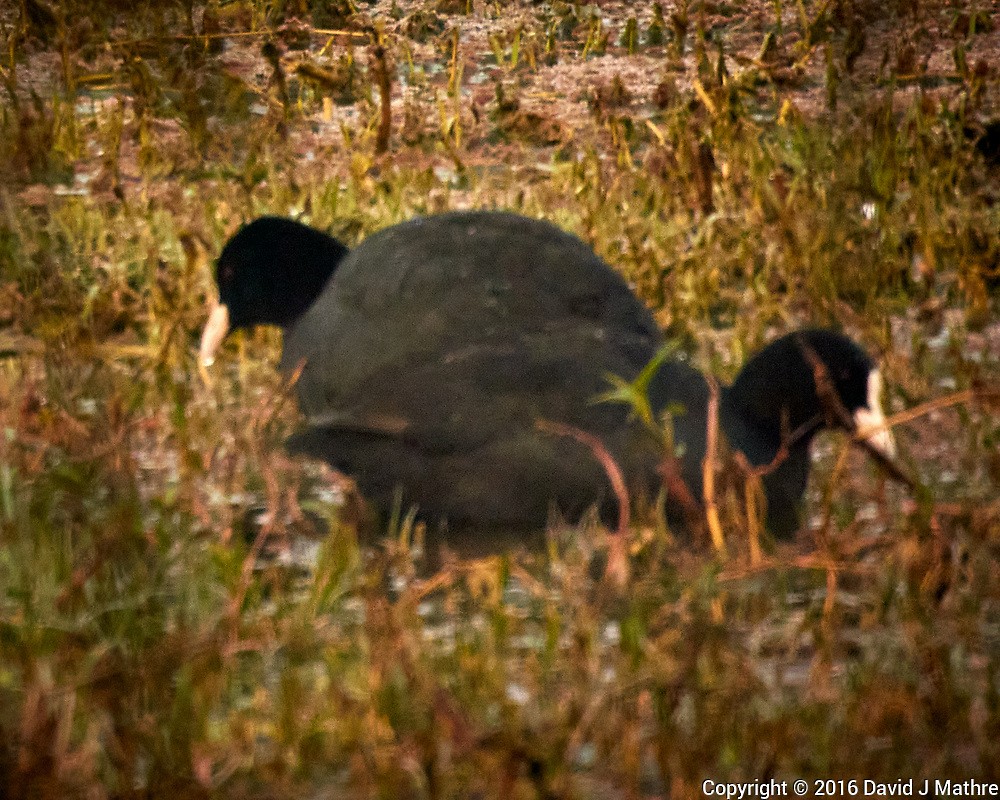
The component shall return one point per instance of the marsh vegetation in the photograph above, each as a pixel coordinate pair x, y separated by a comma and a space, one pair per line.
748, 167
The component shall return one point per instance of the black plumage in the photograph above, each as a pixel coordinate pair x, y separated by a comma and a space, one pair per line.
432, 352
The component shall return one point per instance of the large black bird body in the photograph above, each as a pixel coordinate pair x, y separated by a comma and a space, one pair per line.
435, 349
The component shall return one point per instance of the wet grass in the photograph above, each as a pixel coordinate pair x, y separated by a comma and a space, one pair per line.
146, 648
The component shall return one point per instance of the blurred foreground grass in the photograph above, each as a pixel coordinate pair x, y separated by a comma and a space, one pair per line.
145, 651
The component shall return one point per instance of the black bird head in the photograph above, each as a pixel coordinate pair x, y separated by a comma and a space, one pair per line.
269, 273
795, 386
780, 391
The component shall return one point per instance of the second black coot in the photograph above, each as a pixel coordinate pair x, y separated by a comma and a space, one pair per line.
432, 351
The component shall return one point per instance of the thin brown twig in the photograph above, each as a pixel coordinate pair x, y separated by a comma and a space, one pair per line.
246, 570
617, 568
528, 581
838, 468
708, 465
989, 394
837, 413
383, 81
274, 407
809, 562
675, 488
185, 37
751, 494
246, 573
784, 450
606, 460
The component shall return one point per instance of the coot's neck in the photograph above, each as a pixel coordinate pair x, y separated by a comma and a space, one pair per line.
307, 264
772, 402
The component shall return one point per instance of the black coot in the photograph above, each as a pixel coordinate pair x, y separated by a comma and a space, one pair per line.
434, 349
